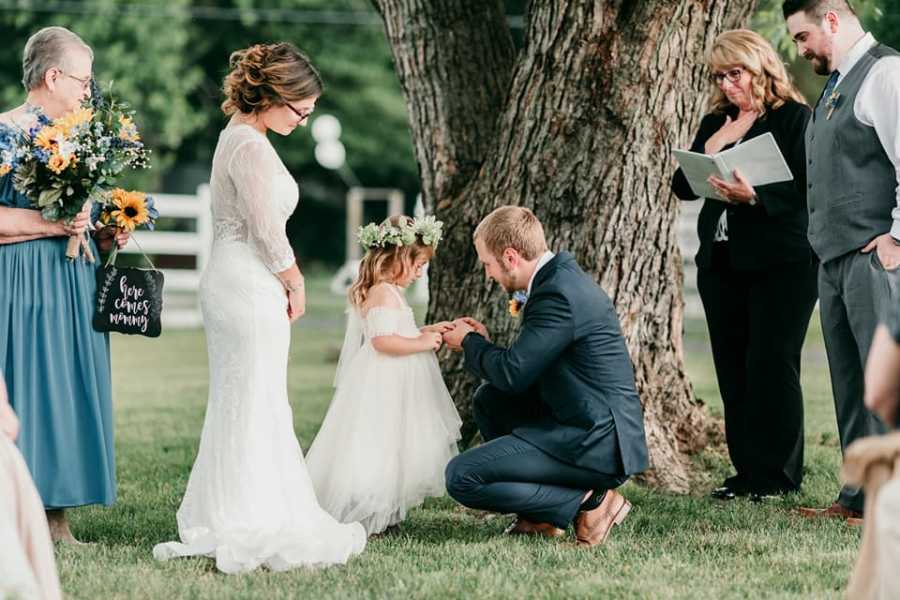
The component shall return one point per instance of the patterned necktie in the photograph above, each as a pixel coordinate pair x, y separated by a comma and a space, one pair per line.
829, 87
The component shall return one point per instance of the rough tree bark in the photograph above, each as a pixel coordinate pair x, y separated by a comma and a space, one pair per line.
578, 125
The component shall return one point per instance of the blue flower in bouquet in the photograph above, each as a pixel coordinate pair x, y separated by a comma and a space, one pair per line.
41, 154
152, 213
10, 149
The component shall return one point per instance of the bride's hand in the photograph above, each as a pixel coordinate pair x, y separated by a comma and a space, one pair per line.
296, 304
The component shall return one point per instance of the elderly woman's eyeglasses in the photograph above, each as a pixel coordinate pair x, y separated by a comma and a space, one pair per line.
85, 82
303, 115
732, 75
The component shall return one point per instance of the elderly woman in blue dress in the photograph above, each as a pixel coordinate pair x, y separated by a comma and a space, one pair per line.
56, 367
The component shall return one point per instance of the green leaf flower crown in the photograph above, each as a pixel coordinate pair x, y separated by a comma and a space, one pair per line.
428, 229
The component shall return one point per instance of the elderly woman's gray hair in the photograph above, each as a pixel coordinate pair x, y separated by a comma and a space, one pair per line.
47, 49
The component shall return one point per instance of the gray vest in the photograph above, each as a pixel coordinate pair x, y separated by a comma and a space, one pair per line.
851, 182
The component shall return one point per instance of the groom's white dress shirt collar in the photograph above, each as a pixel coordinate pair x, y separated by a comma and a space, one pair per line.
543, 260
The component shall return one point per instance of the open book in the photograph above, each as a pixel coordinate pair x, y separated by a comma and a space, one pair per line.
759, 161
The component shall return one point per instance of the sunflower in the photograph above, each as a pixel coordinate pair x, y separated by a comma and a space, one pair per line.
73, 119
128, 130
48, 137
57, 163
130, 209
514, 307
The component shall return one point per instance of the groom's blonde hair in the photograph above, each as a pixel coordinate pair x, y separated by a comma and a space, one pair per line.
513, 227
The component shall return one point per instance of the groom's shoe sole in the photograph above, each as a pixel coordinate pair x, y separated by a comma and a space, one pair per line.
593, 526
526, 527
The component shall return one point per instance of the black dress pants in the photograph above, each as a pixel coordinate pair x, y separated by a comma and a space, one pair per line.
757, 322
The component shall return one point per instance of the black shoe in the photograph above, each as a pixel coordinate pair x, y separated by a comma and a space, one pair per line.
730, 489
723, 493
770, 493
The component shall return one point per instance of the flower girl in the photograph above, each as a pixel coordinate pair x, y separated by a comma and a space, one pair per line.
392, 427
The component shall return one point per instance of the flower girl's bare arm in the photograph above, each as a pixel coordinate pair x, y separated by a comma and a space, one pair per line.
397, 345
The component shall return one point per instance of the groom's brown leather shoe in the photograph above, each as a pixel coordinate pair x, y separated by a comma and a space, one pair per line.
592, 526
835, 511
525, 527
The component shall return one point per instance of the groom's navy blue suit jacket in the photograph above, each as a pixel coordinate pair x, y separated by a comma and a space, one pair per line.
571, 354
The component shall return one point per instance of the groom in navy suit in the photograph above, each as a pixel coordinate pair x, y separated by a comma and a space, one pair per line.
559, 413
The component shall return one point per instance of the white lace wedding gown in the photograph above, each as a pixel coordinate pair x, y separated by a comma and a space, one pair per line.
391, 427
250, 501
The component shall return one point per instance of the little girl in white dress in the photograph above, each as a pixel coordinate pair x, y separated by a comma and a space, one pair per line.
391, 427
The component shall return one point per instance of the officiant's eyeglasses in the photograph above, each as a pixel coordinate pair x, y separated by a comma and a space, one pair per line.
303, 115
732, 75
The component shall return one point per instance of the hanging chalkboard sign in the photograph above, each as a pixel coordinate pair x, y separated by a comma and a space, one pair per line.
129, 300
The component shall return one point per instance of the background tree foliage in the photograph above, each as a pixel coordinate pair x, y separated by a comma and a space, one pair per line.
169, 64
881, 17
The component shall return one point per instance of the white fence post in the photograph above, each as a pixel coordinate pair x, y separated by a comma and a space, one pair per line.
356, 199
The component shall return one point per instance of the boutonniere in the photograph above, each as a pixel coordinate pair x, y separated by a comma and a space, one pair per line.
516, 303
832, 103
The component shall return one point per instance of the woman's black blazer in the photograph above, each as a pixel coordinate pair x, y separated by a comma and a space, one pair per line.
774, 231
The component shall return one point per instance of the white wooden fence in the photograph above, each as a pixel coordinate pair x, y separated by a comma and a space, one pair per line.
181, 305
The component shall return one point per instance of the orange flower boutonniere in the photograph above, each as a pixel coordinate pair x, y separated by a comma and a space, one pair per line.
517, 302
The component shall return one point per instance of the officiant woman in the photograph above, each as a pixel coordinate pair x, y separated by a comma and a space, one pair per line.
756, 272
56, 366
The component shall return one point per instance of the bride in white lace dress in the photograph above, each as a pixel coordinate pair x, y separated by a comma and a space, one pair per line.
250, 501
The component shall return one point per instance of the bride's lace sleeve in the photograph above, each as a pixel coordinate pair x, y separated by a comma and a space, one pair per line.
253, 168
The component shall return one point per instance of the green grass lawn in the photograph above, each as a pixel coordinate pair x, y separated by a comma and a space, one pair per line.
671, 546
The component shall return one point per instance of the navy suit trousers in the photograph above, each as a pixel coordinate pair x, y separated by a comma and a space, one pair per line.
507, 474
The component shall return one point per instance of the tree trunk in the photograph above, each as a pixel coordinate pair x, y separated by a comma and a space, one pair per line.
578, 125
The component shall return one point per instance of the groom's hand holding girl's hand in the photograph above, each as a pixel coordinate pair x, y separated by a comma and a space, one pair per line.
461, 328
478, 326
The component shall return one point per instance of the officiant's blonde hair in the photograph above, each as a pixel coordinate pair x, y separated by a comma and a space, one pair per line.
770, 84
513, 227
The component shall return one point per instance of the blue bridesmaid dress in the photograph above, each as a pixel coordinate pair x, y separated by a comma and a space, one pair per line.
57, 368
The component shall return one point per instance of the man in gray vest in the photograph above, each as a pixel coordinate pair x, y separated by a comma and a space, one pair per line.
853, 194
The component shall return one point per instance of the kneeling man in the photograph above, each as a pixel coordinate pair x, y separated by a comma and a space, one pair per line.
559, 413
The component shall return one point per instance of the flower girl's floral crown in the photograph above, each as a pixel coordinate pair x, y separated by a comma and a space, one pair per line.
428, 229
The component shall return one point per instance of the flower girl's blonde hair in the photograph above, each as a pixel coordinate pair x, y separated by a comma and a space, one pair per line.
387, 263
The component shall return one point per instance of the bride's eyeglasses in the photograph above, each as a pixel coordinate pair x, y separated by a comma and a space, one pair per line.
303, 115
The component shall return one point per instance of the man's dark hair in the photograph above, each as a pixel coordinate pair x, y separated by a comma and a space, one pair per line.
816, 8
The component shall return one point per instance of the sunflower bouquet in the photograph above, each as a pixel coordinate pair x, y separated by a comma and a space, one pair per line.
62, 165
129, 210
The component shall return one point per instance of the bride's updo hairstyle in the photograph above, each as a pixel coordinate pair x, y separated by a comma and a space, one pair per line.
267, 75
387, 264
